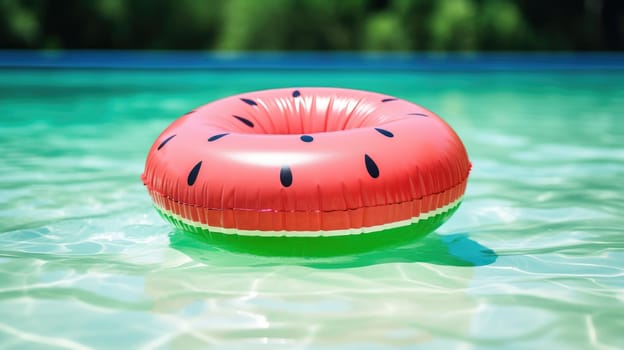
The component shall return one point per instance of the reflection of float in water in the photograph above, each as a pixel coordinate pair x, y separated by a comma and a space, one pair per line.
412, 294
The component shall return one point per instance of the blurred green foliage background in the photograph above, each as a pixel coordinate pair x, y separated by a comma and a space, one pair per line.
352, 25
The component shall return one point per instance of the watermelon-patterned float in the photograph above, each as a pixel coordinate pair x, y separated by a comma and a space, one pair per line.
307, 171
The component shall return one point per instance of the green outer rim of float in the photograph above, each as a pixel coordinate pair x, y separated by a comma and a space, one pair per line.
313, 246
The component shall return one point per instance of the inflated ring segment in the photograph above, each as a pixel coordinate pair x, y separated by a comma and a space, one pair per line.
316, 171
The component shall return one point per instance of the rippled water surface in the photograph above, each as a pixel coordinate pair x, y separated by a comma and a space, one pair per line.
533, 259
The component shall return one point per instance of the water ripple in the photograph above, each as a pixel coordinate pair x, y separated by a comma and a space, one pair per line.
534, 258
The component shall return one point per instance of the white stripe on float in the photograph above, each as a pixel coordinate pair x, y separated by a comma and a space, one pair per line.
320, 233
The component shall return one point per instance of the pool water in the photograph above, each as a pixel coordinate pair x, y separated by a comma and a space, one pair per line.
534, 257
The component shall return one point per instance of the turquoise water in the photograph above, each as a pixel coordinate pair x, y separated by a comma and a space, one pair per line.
534, 257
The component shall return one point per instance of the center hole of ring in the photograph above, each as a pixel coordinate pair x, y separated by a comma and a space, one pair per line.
309, 114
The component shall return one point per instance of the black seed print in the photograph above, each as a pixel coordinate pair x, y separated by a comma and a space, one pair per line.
187, 113
389, 99
216, 137
245, 121
286, 176
165, 142
193, 174
418, 114
249, 102
384, 132
296, 93
371, 167
306, 138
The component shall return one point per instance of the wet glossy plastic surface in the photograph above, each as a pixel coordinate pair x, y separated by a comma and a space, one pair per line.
306, 159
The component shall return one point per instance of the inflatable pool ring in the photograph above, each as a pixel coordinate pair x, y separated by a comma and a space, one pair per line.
308, 171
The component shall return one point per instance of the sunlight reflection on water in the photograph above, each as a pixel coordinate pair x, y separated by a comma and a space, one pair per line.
534, 257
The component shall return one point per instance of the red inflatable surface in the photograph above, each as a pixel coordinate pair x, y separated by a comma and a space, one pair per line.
306, 162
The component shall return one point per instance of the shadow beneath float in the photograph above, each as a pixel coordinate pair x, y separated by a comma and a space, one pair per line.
450, 249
